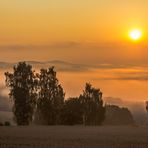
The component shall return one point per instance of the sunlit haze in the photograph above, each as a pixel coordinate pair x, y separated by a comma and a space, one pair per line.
107, 40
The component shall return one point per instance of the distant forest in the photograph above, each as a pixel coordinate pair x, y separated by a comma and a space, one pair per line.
39, 98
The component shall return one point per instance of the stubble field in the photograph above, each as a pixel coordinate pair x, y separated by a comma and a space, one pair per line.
74, 137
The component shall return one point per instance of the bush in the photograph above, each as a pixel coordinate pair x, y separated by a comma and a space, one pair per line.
1, 124
7, 123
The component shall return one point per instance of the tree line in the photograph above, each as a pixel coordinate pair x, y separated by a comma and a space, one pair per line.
40, 98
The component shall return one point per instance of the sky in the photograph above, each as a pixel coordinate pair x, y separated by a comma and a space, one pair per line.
83, 32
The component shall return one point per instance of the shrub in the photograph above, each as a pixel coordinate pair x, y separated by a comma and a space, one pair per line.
7, 123
1, 124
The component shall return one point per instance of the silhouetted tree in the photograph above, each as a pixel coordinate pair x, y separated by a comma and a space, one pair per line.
93, 109
147, 106
72, 112
22, 91
50, 97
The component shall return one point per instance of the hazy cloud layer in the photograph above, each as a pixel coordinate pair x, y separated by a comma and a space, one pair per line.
89, 53
105, 71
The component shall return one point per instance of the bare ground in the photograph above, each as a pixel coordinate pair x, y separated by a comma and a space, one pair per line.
74, 137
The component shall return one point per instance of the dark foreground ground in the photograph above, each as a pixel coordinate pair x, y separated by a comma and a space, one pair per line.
74, 137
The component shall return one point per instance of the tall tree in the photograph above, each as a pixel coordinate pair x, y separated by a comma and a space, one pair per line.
50, 97
22, 91
93, 108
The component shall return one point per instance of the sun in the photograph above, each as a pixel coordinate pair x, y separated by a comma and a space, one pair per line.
135, 34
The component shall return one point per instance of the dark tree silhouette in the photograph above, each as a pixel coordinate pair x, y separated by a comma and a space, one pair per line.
50, 97
22, 91
93, 109
72, 112
147, 106
44, 93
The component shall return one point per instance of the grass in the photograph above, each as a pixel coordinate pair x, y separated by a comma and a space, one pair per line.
74, 137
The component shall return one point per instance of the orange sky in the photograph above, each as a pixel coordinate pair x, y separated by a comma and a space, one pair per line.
42, 22
55, 29
90, 32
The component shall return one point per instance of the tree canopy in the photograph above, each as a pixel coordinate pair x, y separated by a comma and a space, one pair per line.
50, 97
22, 91
39, 96
93, 108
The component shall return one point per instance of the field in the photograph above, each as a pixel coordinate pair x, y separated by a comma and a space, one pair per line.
73, 137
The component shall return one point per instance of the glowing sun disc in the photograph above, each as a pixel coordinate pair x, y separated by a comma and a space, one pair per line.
135, 34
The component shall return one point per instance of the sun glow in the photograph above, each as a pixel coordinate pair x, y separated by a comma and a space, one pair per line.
135, 34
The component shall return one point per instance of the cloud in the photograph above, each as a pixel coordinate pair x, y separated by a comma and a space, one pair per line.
125, 73
105, 71
125, 78
59, 65
83, 52
136, 78
55, 45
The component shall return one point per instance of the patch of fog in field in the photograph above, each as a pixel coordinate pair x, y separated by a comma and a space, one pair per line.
5, 102
6, 116
137, 109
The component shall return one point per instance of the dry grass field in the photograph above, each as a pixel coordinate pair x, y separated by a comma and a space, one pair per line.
74, 137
